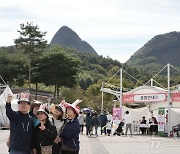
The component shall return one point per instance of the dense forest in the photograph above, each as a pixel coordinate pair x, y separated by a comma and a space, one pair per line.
91, 70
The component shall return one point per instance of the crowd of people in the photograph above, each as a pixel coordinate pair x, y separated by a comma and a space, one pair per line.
92, 121
36, 132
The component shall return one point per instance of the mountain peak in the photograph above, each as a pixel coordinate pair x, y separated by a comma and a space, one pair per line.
67, 37
161, 49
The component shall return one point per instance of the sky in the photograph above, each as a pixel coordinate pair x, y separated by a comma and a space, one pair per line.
114, 28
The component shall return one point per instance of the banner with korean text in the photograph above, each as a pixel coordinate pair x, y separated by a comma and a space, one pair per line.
154, 97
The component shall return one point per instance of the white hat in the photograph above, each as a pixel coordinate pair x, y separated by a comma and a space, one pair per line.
37, 102
24, 97
43, 108
75, 106
61, 106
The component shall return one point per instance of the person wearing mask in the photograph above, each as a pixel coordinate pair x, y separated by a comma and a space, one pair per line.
128, 120
58, 120
71, 129
45, 132
21, 126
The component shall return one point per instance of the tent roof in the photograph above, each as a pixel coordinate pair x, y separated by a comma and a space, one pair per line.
146, 89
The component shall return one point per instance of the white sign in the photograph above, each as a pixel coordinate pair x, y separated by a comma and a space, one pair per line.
150, 97
161, 119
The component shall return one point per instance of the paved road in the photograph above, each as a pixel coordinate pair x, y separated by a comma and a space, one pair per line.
137, 144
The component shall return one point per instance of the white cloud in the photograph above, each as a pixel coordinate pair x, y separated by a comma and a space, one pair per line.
115, 28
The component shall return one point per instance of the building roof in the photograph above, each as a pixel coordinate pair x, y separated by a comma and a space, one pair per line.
31, 91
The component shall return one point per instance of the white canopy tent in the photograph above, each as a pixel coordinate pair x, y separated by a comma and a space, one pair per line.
3, 118
137, 114
155, 98
148, 91
155, 105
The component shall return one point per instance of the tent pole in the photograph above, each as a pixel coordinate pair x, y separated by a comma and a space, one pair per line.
102, 98
168, 100
121, 91
151, 82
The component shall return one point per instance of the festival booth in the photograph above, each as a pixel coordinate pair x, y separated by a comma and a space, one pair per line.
155, 99
162, 104
4, 122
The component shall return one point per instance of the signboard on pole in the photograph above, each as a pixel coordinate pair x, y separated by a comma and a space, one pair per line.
154, 97
117, 113
161, 120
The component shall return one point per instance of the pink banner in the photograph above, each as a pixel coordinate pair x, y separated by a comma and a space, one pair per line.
117, 113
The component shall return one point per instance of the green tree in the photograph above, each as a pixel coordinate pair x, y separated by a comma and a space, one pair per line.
11, 68
58, 69
32, 42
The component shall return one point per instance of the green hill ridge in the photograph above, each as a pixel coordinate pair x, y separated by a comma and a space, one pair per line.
160, 50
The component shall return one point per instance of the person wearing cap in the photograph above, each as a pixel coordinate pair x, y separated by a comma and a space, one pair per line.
21, 127
71, 130
45, 132
58, 120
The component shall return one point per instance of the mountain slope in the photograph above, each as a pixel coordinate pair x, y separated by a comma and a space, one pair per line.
160, 50
68, 38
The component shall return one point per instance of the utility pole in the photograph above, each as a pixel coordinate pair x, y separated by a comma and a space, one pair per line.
169, 100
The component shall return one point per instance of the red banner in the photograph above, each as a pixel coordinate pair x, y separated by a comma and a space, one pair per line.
128, 98
176, 97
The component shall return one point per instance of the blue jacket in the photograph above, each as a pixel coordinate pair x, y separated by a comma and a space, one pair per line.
70, 134
21, 130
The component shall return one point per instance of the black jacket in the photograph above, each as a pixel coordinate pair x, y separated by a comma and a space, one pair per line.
21, 130
103, 119
96, 121
45, 137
